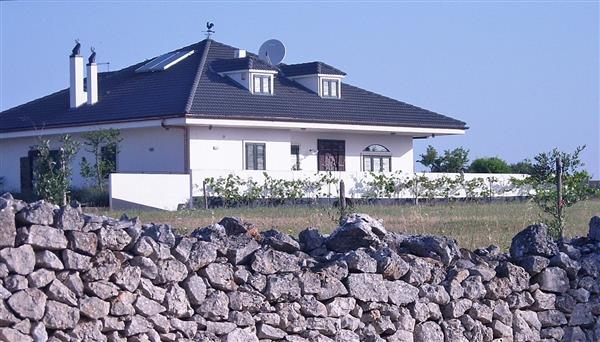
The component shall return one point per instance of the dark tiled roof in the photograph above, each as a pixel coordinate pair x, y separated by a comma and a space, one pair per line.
246, 63
191, 88
310, 68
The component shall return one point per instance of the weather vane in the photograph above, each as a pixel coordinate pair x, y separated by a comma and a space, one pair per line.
209, 30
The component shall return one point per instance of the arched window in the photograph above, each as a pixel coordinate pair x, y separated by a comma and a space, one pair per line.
377, 158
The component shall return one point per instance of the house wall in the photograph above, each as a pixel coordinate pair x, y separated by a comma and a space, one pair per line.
223, 148
143, 150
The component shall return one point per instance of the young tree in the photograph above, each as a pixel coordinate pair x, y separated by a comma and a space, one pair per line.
103, 145
52, 169
543, 180
489, 165
452, 161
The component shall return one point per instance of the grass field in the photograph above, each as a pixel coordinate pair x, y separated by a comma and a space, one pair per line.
472, 224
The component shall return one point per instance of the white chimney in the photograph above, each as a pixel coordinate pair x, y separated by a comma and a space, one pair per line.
240, 53
92, 83
77, 95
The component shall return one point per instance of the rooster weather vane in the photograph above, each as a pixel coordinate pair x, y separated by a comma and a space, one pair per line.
77, 49
92, 58
209, 31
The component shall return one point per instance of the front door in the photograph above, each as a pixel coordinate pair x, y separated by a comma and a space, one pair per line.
332, 155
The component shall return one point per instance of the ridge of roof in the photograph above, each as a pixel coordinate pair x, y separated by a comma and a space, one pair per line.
199, 70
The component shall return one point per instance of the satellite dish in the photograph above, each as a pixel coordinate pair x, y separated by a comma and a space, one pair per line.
272, 51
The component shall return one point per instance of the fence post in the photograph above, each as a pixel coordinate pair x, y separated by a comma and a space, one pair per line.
416, 190
342, 195
559, 199
204, 194
342, 199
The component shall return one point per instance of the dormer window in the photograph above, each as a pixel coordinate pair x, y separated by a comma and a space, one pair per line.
330, 88
262, 84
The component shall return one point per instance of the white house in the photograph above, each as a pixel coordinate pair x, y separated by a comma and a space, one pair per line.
209, 108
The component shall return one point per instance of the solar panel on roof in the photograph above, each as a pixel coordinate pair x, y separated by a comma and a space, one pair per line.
164, 62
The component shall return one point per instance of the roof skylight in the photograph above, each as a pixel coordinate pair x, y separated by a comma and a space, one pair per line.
164, 62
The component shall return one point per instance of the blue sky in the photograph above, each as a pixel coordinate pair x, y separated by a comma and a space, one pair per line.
523, 75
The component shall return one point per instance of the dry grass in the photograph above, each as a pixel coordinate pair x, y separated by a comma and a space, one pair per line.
472, 224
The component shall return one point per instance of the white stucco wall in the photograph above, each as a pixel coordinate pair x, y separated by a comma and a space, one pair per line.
223, 148
143, 150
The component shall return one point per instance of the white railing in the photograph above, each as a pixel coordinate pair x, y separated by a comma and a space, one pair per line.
360, 184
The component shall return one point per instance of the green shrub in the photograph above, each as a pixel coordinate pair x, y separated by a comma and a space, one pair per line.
489, 165
91, 197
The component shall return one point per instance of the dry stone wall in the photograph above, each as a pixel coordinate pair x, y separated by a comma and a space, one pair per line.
70, 276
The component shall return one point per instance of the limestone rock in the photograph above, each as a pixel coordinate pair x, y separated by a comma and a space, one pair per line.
269, 261
594, 233
147, 307
48, 259
40, 278
428, 332
44, 237
360, 261
75, 261
310, 239
441, 248
533, 240
59, 292
202, 254
367, 287
60, 316
220, 276
8, 230
195, 288
81, 242
36, 213
357, 230
553, 279
94, 307
161, 233
69, 217
20, 260
28, 303
113, 238
401, 293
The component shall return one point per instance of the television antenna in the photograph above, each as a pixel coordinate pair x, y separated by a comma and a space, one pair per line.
272, 51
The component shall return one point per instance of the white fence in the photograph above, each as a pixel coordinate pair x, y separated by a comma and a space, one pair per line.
171, 191
361, 184
149, 191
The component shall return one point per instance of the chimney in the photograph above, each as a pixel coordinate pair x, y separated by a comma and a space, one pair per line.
240, 53
92, 79
76, 93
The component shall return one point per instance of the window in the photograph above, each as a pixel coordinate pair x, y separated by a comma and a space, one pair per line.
295, 154
331, 155
261, 84
255, 156
377, 158
330, 88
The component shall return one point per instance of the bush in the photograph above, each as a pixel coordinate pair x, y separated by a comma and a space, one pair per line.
91, 197
452, 161
489, 165
522, 167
